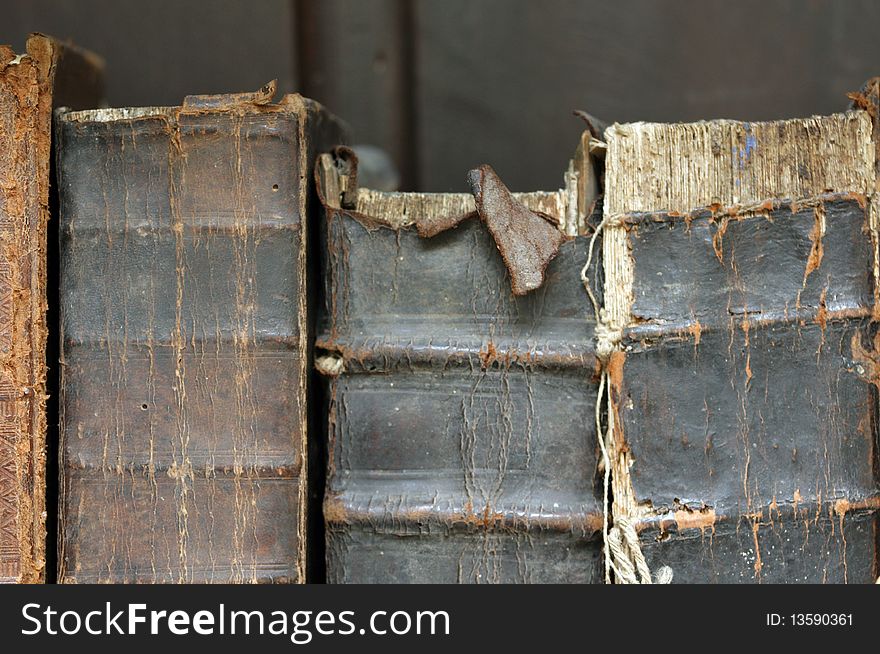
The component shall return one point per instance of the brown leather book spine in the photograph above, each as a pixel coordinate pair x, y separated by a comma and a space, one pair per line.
186, 332
30, 84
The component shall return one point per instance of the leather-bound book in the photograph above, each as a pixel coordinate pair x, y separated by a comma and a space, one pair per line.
48, 73
710, 416
741, 268
185, 304
456, 338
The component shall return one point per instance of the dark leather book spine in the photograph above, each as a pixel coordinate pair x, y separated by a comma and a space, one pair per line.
744, 391
30, 84
185, 339
461, 417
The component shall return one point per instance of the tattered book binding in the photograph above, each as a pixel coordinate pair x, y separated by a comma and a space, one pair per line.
48, 73
713, 418
185, 304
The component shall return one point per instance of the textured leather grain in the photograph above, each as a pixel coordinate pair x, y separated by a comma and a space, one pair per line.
745, 388
461, 421
185, 304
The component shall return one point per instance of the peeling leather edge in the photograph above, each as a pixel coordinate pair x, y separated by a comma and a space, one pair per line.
686, 330
483, 519
255, 102
739, 211
429, 228
710, 518
489, 356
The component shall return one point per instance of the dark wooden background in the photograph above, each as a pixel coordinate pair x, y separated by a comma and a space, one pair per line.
445, 85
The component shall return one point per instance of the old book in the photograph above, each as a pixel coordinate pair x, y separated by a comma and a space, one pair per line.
735, 336
740, 266
185, 304
48, 74
462, 382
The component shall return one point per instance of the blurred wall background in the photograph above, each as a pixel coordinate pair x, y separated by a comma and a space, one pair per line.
444, 85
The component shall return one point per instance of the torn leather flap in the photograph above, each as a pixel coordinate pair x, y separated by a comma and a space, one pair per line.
527, 240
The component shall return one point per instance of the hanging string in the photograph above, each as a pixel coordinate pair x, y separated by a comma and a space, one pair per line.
622, 551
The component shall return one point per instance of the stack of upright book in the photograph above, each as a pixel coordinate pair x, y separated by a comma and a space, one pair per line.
243, 366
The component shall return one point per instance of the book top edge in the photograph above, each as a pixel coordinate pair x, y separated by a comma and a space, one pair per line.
256, 103
113, 114
643, 125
